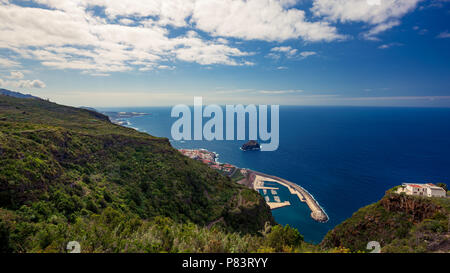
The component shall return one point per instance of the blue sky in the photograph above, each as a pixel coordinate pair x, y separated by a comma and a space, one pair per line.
289, 52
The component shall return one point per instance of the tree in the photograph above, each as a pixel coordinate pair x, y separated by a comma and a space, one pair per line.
442, 185
4, 238
281, 237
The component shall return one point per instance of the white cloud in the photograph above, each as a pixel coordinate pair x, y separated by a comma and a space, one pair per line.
108, 98
169, 12
236, 91
383, 14
363, 11
126, 21
68, 36
371, 34
168, 67
247, 19
15, 75
31, 84
269, 20
8, 63
289, 51
306, 54
444, 35
279, 92
207, 53
95, 74
277, 52
23, 84
386, 46
262, 92
135, 35
431, 98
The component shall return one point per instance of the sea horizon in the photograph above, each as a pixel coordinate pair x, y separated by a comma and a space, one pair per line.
107, 108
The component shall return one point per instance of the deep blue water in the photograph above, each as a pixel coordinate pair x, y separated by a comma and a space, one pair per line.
346, 157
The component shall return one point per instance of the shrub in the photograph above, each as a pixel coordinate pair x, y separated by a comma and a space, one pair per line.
281, 237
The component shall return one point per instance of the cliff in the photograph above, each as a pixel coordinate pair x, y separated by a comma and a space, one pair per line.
400, 223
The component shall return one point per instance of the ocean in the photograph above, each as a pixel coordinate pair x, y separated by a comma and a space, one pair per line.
346, 157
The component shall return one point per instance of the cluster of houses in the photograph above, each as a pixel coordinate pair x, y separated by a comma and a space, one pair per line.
227, 169
429, 190
209, 158
199, 154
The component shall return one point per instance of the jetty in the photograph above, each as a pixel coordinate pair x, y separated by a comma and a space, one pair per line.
317, 212
277, 205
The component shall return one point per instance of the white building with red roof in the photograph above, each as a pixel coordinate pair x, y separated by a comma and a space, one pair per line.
429, 190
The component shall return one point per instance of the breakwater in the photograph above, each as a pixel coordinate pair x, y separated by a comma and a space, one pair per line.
317, 212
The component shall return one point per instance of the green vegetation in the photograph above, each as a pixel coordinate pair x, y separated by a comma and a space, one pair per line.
63, 167
400, 223
115, 232
280, 238
237, 176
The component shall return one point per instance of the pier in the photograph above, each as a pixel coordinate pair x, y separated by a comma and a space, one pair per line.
276, 205
317, 212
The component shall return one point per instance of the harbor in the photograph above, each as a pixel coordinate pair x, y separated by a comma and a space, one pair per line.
258, 180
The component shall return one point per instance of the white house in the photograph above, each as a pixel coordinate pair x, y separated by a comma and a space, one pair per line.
429, 190
435, 191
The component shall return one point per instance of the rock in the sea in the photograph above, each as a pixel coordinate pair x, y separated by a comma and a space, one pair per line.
252, 145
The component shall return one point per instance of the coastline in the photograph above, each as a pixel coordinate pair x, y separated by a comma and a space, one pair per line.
255, 180
317, 212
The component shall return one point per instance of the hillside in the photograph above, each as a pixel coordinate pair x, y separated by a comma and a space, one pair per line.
65, 168
10, 93
400, 223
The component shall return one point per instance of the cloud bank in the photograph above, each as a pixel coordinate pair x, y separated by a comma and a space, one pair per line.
99, 37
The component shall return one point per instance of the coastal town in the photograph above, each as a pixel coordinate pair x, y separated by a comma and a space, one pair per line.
258, 181
210, 159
